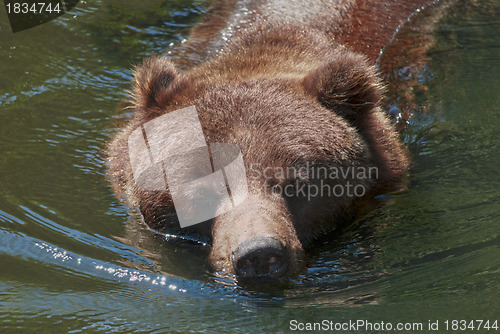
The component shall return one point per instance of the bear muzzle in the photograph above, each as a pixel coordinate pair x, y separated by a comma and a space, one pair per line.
256, 240
260, 257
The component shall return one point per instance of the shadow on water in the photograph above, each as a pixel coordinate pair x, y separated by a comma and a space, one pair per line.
73, 259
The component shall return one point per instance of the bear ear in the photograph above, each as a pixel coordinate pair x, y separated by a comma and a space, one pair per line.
151, 78
346, 84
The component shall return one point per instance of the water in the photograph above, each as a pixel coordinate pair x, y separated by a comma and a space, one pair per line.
72, 260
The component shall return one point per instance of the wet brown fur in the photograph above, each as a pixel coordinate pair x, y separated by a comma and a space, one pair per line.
279, 89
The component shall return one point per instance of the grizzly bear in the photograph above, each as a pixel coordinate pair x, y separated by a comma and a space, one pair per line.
291, 84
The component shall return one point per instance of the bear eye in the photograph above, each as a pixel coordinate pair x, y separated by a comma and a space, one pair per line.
206, 196
291, 188
295, 188
298, 184
203, 197
276, 189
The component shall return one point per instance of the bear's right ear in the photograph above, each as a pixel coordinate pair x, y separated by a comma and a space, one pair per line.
151, 78
345, 83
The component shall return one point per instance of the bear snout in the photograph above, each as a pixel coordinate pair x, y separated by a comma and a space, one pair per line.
256, 240
260, 257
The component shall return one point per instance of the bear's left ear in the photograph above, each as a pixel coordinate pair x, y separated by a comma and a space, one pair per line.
346, 84
151, 79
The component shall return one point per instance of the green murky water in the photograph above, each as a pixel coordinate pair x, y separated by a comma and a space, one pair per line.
71, 260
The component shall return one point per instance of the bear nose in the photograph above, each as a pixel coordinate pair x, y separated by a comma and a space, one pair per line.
261, 257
